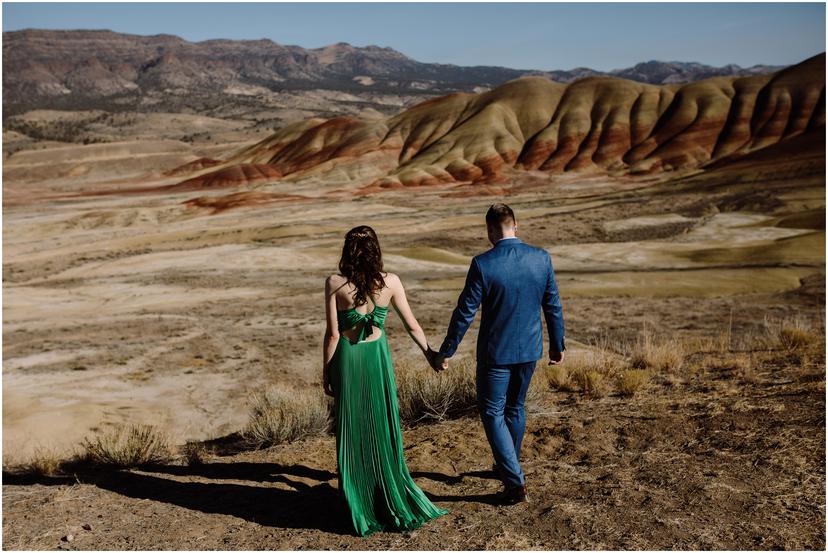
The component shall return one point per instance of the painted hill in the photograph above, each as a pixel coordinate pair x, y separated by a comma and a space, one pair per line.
596, 124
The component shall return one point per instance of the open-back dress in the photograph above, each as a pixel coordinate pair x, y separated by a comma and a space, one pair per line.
372, 472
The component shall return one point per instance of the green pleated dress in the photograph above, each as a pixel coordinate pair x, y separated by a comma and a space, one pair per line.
373, 476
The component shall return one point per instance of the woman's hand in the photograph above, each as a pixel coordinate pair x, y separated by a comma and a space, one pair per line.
326, 382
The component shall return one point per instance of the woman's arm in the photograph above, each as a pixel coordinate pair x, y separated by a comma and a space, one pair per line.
400, 303
331, 334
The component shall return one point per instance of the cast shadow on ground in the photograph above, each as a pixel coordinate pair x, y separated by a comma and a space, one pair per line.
489, 499
307, 506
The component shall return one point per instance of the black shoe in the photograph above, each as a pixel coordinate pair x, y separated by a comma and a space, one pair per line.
513, 495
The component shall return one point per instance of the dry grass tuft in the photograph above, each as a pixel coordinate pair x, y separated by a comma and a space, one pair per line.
44, 462
559, 377
590, 370
424, 395
793, 338
128, 446
593, 383
632, 380
720, 343
194, 453
600, 357
664, 354
793, 334
280, 414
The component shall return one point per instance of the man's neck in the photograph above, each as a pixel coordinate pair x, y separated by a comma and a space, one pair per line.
507, 237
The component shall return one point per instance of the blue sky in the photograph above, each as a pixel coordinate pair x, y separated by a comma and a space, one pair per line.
548, 36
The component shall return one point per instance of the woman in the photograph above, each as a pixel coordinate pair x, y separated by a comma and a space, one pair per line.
359, 374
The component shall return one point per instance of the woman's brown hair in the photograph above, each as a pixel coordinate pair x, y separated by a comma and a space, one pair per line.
361, 262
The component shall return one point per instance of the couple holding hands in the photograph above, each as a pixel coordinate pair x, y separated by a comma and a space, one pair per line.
514, 283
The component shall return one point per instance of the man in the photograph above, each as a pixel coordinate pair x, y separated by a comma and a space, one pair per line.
515, 282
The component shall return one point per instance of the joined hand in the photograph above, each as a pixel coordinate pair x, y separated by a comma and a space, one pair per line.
436, 359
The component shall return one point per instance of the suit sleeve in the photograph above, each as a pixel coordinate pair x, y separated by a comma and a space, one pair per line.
466, 309
553, 311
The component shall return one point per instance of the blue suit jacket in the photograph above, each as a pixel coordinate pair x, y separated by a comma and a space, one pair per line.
515, 282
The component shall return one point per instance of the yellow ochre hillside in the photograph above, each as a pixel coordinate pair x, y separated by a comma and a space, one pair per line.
596, 124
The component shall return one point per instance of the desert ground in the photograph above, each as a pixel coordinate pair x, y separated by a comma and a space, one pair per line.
152, 308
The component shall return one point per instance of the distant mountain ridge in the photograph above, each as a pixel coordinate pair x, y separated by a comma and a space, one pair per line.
103, 69
678, 72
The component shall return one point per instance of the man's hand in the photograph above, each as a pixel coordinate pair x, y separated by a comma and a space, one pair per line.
556, 357
437, 360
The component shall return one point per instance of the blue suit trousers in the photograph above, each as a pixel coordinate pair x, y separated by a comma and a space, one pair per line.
501, 393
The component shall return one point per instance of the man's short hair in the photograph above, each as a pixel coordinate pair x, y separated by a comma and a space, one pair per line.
500, 215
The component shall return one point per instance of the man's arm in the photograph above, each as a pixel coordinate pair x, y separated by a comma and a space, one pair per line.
466, 309
553, 312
